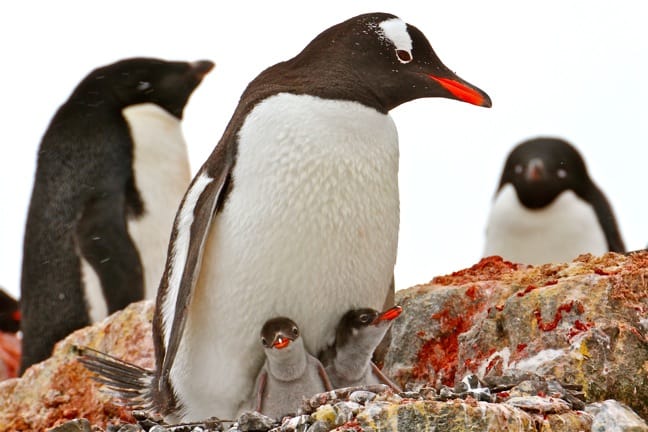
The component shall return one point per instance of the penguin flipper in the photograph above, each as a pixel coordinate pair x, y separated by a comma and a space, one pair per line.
608, 222
260, 391
103, 238
184, 260
383, 378
324, 376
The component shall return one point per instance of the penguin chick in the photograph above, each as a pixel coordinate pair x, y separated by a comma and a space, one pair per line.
86, 192
289, 373
547, 208
358, 334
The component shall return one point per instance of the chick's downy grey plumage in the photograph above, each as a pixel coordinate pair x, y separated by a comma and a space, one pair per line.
289, 373
360, 331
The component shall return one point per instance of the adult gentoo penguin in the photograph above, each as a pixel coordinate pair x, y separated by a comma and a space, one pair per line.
289, 373
101, 165
547, 208
295, 213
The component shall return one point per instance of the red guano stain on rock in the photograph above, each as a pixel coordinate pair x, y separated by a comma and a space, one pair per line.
548, 326
521, 347
439, 355
472, 292
489, 268
74, 382
579, 327
526, 291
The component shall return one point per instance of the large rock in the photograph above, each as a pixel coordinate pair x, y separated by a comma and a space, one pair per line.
530, 333
60, 388
583, 323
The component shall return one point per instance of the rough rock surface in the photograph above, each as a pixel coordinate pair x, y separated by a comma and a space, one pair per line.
60, 389
583, 323
542, 339
9, 355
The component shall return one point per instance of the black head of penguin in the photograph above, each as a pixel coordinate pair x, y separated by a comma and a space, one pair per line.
375, 59
142, 80
542, 168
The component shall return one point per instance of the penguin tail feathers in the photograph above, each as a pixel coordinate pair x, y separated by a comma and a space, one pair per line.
131, 384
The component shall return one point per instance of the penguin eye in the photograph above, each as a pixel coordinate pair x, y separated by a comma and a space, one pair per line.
143, 85
561, 173
264, 342
404, 56
295, 331
364, 318
518, 169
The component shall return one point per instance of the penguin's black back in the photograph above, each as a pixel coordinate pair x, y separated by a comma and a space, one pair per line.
84, 192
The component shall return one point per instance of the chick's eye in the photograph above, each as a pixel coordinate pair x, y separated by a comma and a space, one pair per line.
364, 318
404, 56
295, 331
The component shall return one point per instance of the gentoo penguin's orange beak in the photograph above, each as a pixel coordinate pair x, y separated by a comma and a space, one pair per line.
463, 91
388, 315
281, 342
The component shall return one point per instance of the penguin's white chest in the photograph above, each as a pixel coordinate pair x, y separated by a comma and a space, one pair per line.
309, 231
162, 174
559, 232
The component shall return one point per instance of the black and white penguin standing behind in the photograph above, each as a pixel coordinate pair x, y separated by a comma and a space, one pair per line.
106, 155
295, 213
289, 373
547, 208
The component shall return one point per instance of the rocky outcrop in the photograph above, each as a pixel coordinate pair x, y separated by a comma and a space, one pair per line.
552, 348
584, 323
60, 389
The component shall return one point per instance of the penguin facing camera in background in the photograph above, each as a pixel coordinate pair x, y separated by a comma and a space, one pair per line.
547, 208
99, 206
348, 363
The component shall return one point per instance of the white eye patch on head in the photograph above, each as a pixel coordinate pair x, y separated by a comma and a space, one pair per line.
394, 30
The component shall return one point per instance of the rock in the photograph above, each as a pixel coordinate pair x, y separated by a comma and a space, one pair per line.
10, 349
60, 389
578, 322
613, 416
457, 416
537, 342
78, 425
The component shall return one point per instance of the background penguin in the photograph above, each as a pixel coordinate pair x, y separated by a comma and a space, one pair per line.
360, 331
9, 313
87, 190
289, 373
547, 209
295, 213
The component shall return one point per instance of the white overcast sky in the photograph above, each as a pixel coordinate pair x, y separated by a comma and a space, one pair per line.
574, 69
